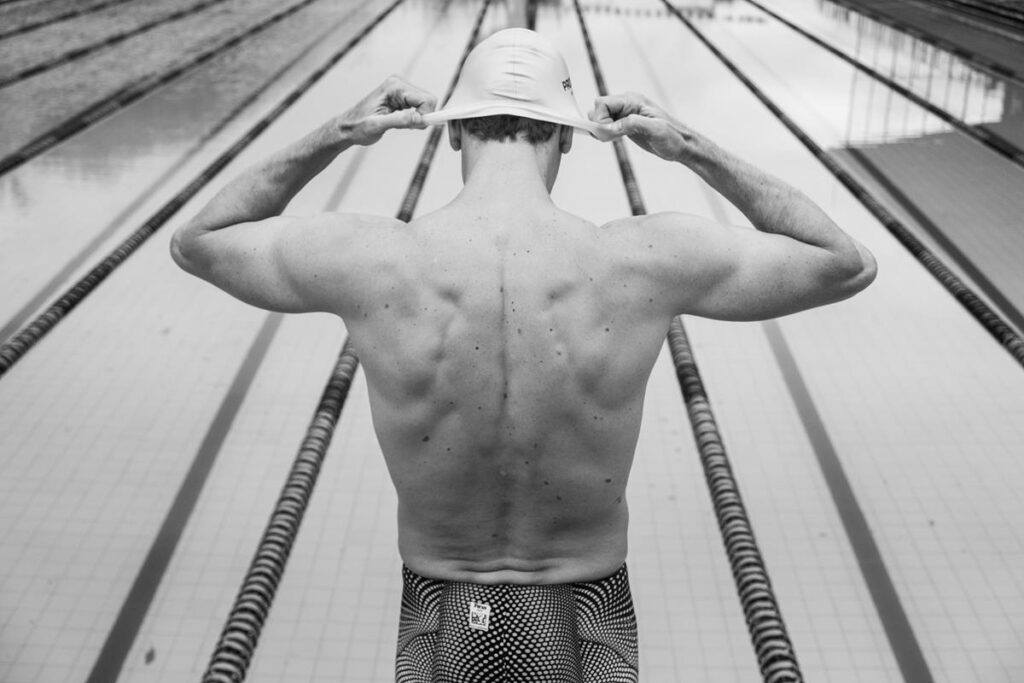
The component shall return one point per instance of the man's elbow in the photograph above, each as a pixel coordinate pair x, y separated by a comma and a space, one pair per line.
183, 249
858, 272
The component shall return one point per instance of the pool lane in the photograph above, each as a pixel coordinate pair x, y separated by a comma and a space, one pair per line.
909, 390
801, 537
690, 623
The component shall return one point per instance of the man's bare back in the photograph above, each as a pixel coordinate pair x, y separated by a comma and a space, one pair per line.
493, 353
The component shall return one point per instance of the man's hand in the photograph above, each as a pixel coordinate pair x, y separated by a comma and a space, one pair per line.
646, 124
394, 104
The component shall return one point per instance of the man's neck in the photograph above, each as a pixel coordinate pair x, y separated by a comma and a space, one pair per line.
506, 174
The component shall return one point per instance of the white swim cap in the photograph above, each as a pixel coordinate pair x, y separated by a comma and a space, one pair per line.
518, 72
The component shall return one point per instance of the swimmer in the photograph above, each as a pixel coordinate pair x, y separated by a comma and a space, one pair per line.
507, 345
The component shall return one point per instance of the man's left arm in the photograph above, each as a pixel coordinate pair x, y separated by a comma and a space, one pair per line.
240, 242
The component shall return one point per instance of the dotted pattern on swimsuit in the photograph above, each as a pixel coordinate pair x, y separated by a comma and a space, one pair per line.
417, 628
556, 634
607, 626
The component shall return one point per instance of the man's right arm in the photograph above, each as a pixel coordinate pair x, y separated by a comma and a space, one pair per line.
240, 242
798, 258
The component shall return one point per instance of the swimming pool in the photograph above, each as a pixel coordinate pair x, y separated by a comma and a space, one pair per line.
146, 436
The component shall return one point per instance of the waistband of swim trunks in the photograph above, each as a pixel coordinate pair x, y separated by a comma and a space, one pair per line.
621, 573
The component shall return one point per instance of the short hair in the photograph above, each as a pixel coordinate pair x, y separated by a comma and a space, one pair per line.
507, 127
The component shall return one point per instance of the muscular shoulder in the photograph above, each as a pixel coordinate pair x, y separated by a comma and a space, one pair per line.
726, 272
329, 228
337, 258
660, 243
683, 257
667, 226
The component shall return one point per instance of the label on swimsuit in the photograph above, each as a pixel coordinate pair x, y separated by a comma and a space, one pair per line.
479, 615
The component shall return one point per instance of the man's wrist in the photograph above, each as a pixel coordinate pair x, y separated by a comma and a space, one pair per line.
336, 135
691, 151
687, 147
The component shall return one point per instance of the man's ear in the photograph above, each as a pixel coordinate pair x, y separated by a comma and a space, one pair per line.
565, 134
455, 135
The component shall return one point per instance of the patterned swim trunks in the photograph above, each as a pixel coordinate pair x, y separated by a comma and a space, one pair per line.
453, 632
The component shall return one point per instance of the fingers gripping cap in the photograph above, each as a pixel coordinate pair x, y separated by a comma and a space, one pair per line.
518, 72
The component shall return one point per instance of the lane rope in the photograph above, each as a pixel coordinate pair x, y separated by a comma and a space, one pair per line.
978, 309
770, 640
239, 638
17, 346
